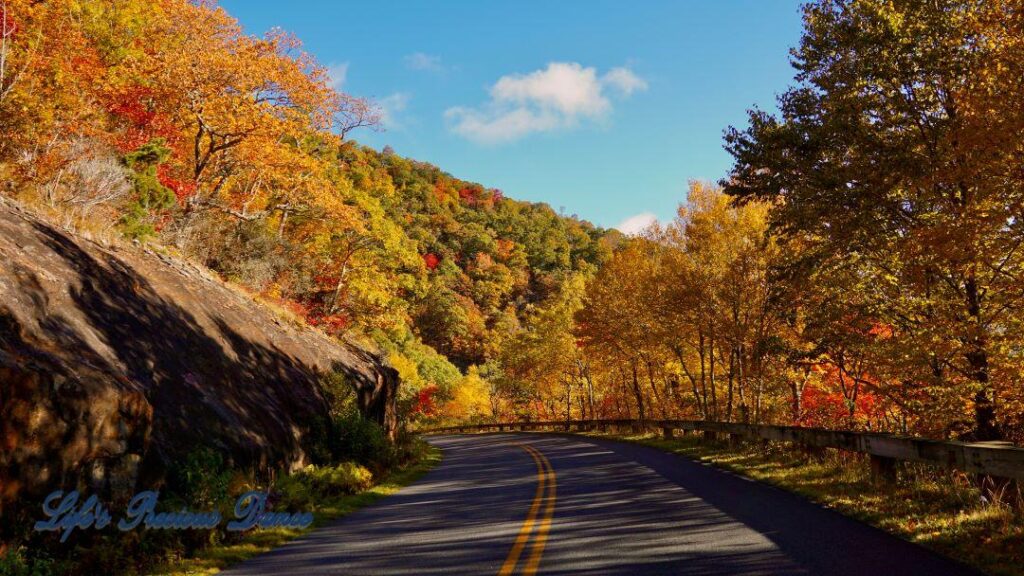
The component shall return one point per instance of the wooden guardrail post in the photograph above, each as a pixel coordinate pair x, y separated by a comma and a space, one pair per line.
883, 470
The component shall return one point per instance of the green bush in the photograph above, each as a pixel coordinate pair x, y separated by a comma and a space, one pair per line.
299, 490
150, 195
358, 439
345, 478
202, 481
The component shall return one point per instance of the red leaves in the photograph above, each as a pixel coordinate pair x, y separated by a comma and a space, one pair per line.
333, 324
431, 260
475, 195
425, 404
824, 409
136, 108
183, 189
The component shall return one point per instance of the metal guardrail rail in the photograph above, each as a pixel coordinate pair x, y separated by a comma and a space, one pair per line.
996, 459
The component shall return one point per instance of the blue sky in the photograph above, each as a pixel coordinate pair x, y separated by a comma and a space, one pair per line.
602, 108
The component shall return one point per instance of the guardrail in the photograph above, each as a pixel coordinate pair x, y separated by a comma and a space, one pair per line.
991, 459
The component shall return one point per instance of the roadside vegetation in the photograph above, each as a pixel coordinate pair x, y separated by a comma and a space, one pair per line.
939, 509
362, 467
330, 492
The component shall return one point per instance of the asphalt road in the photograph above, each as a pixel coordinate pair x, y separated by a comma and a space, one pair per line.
551, 504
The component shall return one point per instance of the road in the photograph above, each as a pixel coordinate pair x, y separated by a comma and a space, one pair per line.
553, 504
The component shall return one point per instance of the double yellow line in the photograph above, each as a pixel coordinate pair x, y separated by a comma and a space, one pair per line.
543, 498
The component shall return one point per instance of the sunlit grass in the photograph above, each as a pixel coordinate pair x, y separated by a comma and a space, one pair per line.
215, 558
939, 509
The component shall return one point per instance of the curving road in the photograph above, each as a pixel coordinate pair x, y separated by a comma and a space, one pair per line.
551, 504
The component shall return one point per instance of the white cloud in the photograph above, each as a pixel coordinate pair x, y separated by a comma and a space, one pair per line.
634, 225
509, 125
391, 107
421, 61
336, 74
557, 97
624, 80
566, 87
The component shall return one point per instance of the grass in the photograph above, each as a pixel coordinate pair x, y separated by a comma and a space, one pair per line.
938, 509
215, 558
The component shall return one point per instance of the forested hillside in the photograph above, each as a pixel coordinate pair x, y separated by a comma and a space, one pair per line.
163, 123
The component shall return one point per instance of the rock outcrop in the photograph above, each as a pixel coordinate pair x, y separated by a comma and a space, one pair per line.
116, 363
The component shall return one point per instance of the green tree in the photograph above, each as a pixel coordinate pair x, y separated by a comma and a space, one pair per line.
150, 195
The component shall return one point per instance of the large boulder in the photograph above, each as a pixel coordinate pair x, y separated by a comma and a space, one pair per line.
116, 363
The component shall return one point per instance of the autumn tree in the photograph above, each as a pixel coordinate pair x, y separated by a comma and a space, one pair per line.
546, 355
891, 156
618, 323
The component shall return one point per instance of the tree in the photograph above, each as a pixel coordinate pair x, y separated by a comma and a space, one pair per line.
545, 354
892, 156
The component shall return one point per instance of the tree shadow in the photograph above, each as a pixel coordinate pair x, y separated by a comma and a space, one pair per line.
115, 369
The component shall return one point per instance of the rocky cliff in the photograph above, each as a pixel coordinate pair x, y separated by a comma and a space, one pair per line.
115, 363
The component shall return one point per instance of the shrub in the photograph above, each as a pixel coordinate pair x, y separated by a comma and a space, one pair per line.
203, 479
356, 438
299, 490
151, 196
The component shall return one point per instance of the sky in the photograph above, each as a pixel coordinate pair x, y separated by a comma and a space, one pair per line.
603, 109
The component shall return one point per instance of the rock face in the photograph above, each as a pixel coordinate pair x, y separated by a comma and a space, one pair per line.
116, 363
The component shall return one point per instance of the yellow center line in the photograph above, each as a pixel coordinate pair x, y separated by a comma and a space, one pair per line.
545, 524
524, 533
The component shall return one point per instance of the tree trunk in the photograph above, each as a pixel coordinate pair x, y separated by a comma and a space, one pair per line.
638, 394
654, 387
985, 425
711, 377
732, 369
585, 370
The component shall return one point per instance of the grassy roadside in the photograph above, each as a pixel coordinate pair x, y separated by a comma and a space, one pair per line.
938, 509
212, 559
